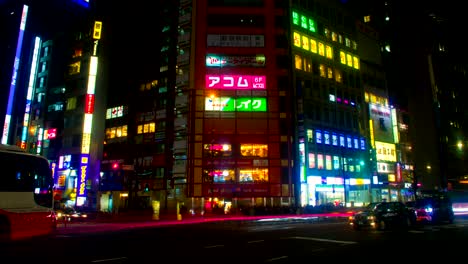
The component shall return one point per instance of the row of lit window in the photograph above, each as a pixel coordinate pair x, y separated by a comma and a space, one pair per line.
255, 175
329, 162
225, 150
312, 45
305, 64
309, 24
146, 128
322, 49
116, 132
344, 141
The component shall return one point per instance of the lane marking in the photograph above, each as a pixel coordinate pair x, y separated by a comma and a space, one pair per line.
416, 231
214, 246
106, 260
275, 259
325, 240
255, 241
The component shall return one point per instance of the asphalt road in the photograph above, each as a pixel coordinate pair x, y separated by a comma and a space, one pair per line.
244, 242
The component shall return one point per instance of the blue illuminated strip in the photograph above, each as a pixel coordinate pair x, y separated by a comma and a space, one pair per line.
19, 45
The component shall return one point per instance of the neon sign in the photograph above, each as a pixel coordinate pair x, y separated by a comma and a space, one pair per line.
235, 82
243, 104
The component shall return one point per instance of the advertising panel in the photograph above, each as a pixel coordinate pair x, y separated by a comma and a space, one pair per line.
385, 151
382, 122
235, 61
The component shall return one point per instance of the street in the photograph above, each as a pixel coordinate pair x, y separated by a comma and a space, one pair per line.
248, 242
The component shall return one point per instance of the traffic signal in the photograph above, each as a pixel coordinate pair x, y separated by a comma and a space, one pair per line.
115, 166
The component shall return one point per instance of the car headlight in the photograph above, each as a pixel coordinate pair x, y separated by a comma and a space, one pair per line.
371, 217
59, 215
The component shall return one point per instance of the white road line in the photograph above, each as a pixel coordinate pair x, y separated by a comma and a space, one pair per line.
214, 246
106, 260
255, 241
416, 231
274, 259
325, 240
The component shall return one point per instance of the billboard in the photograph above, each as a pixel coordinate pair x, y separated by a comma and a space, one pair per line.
385, 151
382, 121
235, 61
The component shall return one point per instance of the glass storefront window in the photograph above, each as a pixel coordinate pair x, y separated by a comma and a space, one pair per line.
254, 150
253, 175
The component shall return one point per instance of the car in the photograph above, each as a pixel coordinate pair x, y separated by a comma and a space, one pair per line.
433, 210
69, 214
382, 216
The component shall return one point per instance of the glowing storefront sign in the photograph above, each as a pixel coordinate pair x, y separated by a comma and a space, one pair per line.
97, 30
385, 151
228, 104
89, 104
235, 81
235, 61
81, 188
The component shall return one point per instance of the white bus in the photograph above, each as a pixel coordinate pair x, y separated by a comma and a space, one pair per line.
26, 195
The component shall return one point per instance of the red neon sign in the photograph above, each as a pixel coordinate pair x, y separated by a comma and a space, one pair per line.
89, 105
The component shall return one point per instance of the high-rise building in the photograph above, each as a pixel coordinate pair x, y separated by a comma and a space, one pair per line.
54, 100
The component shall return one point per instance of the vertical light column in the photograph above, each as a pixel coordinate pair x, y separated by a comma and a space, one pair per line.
30, 92
19, 45
88, 119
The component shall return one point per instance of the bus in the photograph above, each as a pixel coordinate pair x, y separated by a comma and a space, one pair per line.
26, 195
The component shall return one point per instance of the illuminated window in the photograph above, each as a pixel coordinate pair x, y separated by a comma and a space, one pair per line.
354, 44
218, 175
298, 62
311, 161
217, 150
326, 137
304, 22
310, 135
356, 62
342, 141
356, 143
297, 39
329, 52
318, 136
349, 60
312, 25
329, 73
348, 42
253, 175
336, 162
321, 49
307, 65
349, 142
322, 70
326, 32
313, 45
328, 162
340, 39
334, 140
305, 43
367, 19
320, 161
71, 103
295, 17
334, 36
342, 57
254, 150
338, 77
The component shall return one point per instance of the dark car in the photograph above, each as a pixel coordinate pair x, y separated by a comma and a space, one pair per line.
433, 210
383, 215
69, 214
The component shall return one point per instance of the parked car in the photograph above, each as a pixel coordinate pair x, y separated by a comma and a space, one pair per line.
433, 210
69, 214
383, 215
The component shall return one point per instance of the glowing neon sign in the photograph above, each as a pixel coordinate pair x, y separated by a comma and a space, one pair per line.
243, 104
235, 82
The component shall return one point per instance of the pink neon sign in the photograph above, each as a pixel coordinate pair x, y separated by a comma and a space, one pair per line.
235, 82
